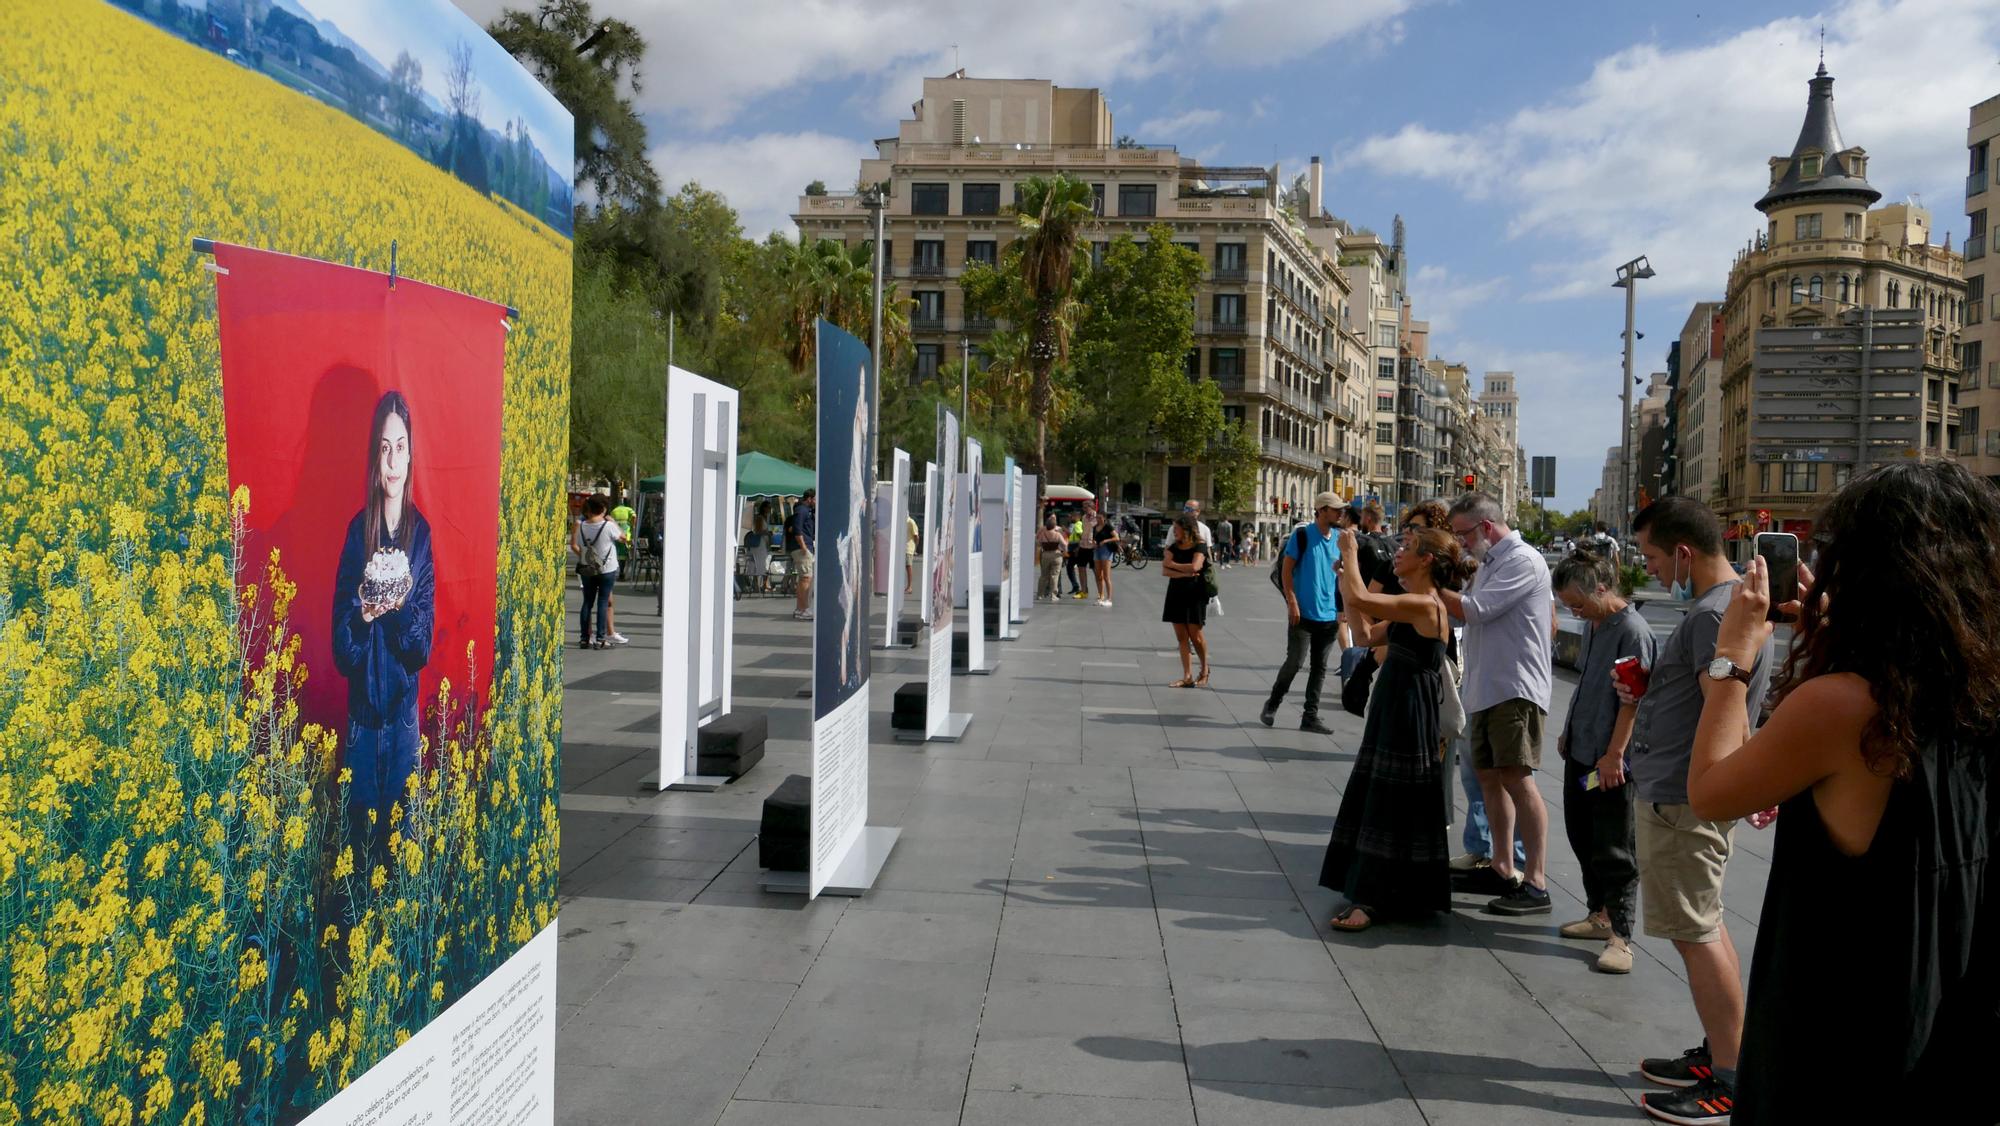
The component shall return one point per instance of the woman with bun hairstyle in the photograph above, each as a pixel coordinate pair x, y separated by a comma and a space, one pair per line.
383, 611
1388, 856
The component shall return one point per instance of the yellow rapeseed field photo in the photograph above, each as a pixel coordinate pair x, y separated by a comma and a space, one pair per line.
184, 936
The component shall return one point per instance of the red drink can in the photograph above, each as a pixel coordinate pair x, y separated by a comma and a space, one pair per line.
1631, 674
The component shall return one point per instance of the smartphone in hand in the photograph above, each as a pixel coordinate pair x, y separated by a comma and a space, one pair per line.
1781, 558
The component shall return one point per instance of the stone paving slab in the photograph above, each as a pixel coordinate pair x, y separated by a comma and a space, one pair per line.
1103, 910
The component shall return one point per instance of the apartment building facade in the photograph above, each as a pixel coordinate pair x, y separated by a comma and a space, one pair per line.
1695, 404
1500, 403
1827, 250
1272, 309
1979, 382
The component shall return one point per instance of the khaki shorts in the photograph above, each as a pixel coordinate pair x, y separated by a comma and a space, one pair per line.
1506, 734
802, 564
1681, 863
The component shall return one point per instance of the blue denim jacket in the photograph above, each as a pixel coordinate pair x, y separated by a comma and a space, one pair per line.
381, 659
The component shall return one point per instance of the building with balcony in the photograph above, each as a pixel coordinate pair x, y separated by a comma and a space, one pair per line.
1826, 250
1270, 309
1979, 366
1694, 403
1378, 274
1500, 402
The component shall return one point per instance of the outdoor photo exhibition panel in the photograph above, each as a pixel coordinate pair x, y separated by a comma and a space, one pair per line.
697, 629
1026, 526
993, 531
308, 376
893, 563
941, 506
972, 560
846, 854
929, 543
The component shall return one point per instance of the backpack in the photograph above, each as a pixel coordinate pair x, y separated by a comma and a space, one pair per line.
1278, 563
587, 563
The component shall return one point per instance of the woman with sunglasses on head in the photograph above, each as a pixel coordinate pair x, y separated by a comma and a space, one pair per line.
1881, 916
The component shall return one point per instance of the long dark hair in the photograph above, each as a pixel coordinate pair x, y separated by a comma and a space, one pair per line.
391, 402
1909, 570
1451, 567
1186, 523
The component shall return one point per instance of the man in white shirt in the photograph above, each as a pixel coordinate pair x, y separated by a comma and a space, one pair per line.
1507, 611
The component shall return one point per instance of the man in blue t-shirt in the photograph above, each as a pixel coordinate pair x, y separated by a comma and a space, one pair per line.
1311, 560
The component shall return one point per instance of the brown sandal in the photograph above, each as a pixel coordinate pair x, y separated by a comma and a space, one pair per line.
1182, 683
1202, 680
1340, 922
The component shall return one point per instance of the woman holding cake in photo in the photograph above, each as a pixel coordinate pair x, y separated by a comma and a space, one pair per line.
382, 618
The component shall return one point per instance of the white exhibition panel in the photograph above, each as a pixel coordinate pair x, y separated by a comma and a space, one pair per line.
971, 533
993, 506
490, 1057
940, 508
930, 531
696, 631
892, 514
1027, 524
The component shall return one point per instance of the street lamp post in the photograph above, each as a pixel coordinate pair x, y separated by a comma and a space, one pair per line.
871, 198
964, 379
1628, 279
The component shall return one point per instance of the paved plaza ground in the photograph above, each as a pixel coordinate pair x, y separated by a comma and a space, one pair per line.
1103, 911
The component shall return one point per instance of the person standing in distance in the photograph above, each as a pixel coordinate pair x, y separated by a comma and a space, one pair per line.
1225, 542
1594, 739
800, 534
1308, 573
1050, 547
1508, 653
1683, 857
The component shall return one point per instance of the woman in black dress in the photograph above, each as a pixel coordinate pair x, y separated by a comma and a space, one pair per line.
1187, 598
1882, 910
1388, 855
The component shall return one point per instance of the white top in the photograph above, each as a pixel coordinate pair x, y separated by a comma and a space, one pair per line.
600, 542
1507, 647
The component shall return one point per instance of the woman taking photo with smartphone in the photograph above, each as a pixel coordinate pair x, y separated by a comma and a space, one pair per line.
1387, 855
1882, 910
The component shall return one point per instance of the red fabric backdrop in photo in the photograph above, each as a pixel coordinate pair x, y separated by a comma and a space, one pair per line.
308, 347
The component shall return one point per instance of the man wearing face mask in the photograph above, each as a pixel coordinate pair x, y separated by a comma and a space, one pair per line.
1682, 858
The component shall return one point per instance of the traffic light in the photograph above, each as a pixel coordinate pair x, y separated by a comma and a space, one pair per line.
1763, 516
1471, 479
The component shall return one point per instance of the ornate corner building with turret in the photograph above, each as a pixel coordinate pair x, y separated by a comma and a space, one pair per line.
1827, 250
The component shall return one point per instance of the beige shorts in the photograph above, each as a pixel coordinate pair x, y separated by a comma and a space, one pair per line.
1681, 864
1507, 734
802, 564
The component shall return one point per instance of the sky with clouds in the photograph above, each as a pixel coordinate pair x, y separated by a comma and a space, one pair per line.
1529, 148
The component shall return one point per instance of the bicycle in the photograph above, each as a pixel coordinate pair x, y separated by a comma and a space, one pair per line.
1130, 555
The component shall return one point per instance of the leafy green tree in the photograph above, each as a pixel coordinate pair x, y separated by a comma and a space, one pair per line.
618, 377
1233, 463
1128, 363
591, 65
1052, 213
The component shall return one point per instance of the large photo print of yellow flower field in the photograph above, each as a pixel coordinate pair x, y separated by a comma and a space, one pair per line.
187, 930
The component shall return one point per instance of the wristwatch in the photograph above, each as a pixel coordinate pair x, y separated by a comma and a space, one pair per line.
1722, 668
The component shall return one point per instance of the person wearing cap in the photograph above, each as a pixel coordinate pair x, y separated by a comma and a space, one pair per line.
1311, 556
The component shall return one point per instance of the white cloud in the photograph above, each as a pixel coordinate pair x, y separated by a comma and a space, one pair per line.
706, 62
762, 176
1662, 151
1439, 295
1170, 129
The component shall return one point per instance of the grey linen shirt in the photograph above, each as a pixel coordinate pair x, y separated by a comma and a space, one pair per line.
1507, 612
1593, 708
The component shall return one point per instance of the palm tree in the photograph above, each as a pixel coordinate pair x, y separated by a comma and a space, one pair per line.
1052, 213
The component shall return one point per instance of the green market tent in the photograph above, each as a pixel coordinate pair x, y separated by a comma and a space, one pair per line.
757, 475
